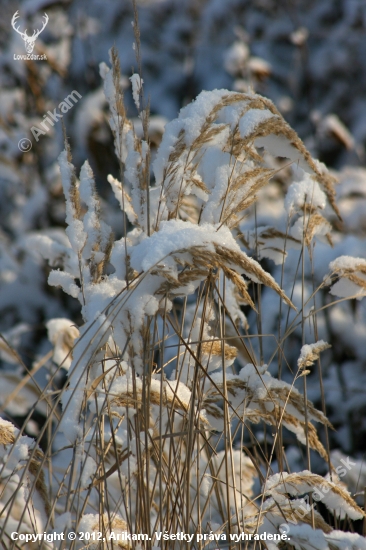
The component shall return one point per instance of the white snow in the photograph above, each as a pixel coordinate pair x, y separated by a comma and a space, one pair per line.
305, 191
89, 468
252, 119
75, 230
346, 266
65, 281
137, 83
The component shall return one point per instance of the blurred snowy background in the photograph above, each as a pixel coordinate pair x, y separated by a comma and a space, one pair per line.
308, 57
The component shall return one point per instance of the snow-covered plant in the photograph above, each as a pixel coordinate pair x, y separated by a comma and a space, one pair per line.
164, 385
24, 495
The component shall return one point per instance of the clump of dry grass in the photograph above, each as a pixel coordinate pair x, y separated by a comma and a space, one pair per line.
155, 417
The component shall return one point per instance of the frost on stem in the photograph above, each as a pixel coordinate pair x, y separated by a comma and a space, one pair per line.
137, 83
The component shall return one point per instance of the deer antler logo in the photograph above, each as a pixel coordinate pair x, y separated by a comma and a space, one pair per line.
29, 40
